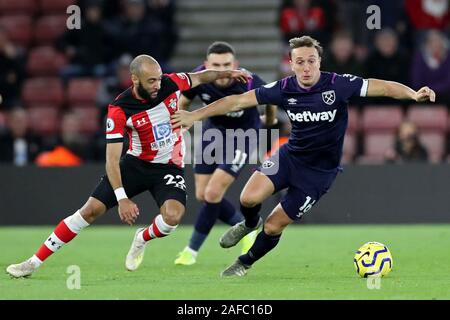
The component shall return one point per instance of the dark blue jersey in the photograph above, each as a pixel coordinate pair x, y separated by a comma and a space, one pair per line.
208, 93
318, 115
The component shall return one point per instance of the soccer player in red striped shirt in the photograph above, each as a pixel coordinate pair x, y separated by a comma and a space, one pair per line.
154, 161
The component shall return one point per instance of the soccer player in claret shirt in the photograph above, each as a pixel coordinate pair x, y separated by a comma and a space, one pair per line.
316, 103
154, 161
212, 179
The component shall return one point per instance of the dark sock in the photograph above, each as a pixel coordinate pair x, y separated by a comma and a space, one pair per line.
263, 244
251, 215
197, 240
228, 213
205, 221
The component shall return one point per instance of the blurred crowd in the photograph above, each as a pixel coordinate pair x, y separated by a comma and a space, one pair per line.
42, 62
411, 46
99, 53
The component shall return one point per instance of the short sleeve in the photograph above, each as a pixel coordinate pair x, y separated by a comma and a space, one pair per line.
191, 93
115, 124
352, 86
269, 93
182, 80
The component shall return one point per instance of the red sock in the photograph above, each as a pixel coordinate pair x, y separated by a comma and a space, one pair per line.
64, 232
157, 229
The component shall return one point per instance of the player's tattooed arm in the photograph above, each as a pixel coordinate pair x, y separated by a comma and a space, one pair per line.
128, 210
392, 89
207, 76
227, 104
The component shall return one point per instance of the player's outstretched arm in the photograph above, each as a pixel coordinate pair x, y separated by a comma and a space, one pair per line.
184, 103
392, 89
207, 76
128, 210
222, 106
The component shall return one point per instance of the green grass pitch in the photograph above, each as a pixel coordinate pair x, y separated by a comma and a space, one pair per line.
310, 262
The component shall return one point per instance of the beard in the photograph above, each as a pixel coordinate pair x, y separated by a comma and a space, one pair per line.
143, 93
223, 83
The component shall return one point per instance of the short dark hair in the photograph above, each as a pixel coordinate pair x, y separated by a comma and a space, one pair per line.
305, 41
220, 47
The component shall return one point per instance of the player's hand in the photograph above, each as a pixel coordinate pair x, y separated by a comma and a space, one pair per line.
425, 94
241, 75
128, 211
182, 118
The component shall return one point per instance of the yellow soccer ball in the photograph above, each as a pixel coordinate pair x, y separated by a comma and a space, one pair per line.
373, 259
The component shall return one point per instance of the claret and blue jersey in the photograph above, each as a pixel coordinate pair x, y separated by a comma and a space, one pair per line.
308, 164
318, 115
208, 93
243, 119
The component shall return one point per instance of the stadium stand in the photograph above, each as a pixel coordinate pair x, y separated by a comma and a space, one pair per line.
19, 28
37, 91
44, 61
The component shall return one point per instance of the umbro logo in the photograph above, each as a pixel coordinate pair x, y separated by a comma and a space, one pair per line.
292, 101
268, 164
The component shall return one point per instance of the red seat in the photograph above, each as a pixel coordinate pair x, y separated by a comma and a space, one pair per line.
43, 91
376, 145
82, 91
49, 28
19, 28
350, 148
55, 6
434, 142
381, 119
27, 7
88, 115
429, 118
45, 61
353, 120
44, 119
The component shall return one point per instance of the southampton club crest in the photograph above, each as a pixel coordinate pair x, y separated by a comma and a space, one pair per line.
173, 104
329, 97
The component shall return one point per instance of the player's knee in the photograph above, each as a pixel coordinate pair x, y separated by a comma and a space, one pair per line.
272, 229
173, 216
91, 211
213, 195
200, 195
248, 200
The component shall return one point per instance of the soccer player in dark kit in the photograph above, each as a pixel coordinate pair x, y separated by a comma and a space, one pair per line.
316, 103
154, 161
212, 179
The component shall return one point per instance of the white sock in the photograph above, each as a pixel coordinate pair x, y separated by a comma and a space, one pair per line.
194, 253
35, 261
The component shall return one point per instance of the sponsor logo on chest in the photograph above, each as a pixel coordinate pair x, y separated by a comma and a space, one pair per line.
308, 116
164, 137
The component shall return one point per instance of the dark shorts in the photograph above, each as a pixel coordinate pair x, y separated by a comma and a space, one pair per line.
305, 184
229, 153
163, 181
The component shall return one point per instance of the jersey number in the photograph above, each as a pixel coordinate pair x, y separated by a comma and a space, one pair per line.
239, 160
177, 181
306, 206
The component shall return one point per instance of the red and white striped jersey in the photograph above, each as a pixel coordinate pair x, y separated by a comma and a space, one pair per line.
150, 133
